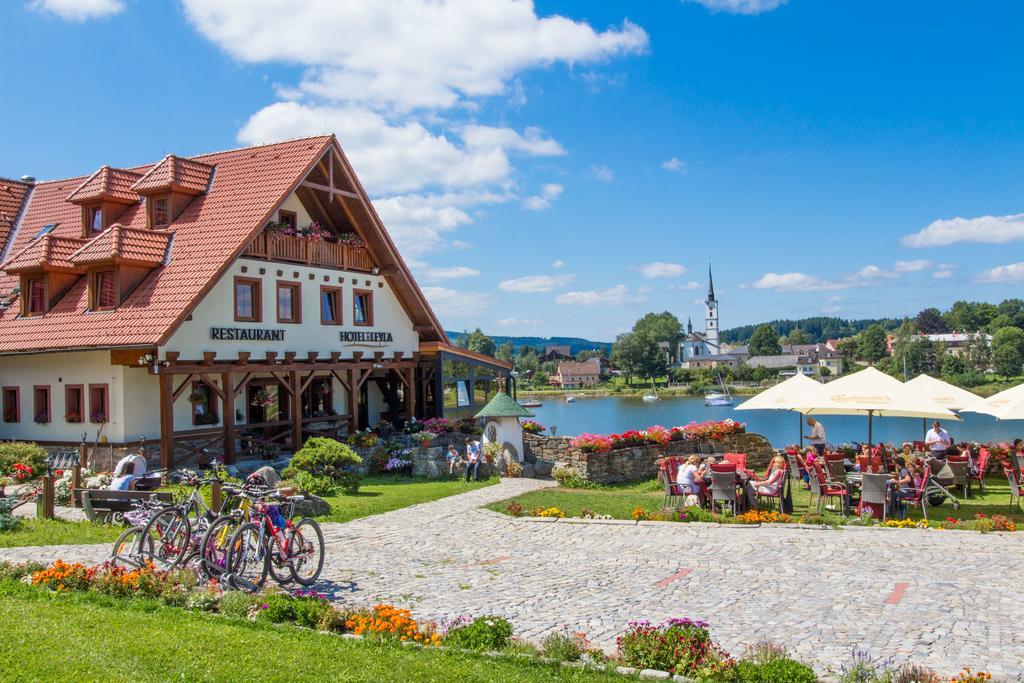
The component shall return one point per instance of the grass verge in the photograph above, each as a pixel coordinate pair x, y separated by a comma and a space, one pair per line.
383, 494
69, 637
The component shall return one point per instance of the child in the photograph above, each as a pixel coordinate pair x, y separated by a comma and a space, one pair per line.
453, 459
917, 472
704, 471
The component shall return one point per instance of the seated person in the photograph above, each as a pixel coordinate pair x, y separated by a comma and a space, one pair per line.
903, 483
704, 471
770, 485
453, 458
124, 476
688, 480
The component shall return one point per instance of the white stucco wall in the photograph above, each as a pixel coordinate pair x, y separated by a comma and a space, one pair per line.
217, 310
508, 430
59, 370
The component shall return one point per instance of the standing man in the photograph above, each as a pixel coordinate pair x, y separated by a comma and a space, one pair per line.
938, 441
817, 436
472, 457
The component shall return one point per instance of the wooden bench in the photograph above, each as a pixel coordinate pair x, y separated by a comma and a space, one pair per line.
110, 506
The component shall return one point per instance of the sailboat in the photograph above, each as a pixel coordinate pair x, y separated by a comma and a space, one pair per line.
652, 395
723, 398
569, 398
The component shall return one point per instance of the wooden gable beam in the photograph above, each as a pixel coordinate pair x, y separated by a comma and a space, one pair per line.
181, 387
285, 382
213, 387
329, 189
241, 385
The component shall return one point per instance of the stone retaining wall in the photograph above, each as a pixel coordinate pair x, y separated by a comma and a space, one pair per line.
637, 463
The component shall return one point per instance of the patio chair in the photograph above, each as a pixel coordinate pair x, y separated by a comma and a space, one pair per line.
874, 490
836, 468
723, 487
669, 473
958, 465
783, 489
983, 457
1011, 478
918, 497
1019, 459
738, 459
826, 489
919, 446
797, 468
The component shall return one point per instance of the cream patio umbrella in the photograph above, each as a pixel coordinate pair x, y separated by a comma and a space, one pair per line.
945, 394
870, 392
1006, 405
797, 390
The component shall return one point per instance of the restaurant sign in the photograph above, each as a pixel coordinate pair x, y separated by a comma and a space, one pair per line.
245, 334
366, 337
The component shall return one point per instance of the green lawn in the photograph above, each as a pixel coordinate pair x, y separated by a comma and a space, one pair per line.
58, 532
71, 637
382, 494
620, 500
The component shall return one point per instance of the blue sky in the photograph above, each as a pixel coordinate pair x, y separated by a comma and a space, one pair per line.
563, 167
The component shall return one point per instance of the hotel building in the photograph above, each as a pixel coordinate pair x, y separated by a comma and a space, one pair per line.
224, 301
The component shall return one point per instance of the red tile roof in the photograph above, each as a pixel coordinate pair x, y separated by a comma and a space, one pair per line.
176, 173
249, 184
12, 196
111, 184
49, 251
121, 243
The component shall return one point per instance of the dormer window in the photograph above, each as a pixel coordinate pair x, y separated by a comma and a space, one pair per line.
35, 296
160, 215
104, 290
95, 225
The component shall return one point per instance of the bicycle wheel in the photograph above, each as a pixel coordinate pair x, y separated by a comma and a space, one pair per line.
127, 550
306, 551
167, 538
213, 547
279, 567
248, 559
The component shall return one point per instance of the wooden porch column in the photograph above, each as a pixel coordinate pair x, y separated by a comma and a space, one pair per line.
410, 394
296, 383
166, 421
227, 385
353, 400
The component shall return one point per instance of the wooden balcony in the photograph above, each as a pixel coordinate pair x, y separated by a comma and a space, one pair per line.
275, 246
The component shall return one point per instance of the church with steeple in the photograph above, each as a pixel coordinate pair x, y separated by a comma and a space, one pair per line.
706, 344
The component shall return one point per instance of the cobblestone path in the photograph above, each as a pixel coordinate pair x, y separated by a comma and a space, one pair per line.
943, 598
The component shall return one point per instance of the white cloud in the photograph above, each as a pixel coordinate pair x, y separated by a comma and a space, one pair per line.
690, 286
548, 194
457, 306
868, 276
644, 289
987, 229
517, 322
602, 173
831, 309
1013, 272
558, 264
662, 269
790, 282
418, 223
78, 10
405, 55
914, 266
675, 165
450, 273
740, 6
402, 157
533, 284
942, 274
616, 295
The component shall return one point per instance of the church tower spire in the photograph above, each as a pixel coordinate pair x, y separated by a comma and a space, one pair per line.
711, 316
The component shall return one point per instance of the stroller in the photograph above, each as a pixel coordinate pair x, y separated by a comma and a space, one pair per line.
933, 491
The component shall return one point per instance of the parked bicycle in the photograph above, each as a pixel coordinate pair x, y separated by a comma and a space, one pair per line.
272, 543
130, 549
172, 537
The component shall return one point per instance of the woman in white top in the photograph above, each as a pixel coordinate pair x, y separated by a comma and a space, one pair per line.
687, 477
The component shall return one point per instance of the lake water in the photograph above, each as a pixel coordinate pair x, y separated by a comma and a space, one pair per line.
606, 415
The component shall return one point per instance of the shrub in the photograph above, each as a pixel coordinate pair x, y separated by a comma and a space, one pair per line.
696, 514
515, 509
16, 572
314, 485
349, 483
30, 454
237, 603
8, 522
322, 457
679, 646
775, 671
914, 673
483, 633
571, 478
304, 609
524, 648
563, 646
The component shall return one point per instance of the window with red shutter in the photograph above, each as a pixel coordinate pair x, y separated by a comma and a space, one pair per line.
36, 301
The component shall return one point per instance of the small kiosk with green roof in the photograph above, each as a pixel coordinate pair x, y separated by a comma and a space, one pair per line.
501, 425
